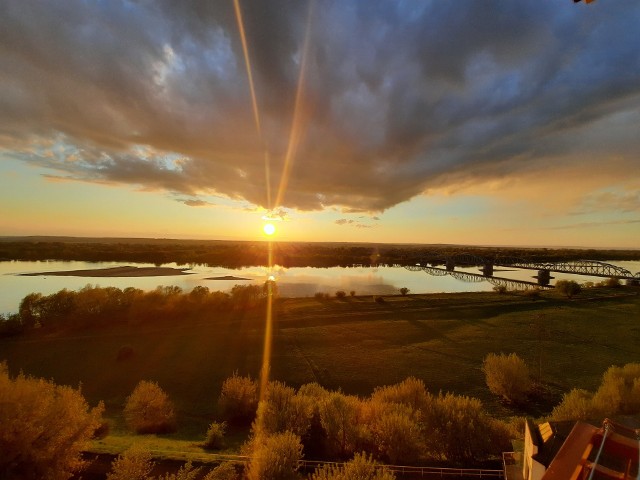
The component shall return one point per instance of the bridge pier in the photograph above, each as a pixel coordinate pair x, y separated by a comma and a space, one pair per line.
544, 277
487, 269
451, 265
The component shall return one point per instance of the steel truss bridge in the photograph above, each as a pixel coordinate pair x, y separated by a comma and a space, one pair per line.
579, 267
433, 265
469, 277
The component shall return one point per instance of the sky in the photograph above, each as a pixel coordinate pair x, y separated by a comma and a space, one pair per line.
413, 121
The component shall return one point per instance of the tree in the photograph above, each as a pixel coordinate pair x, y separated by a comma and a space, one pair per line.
404, 291
44, 427
133, 464
360, 468
283, 410
397, 434
341, 419
507, 376
568, 287
275, 457
459, 430
315, 439
11, 325
238, 400
247, 295
149, 410
30, 310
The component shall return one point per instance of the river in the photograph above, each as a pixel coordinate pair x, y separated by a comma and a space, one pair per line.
292, 282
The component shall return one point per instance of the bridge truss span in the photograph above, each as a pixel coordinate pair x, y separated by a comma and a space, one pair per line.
468, 277
593, 268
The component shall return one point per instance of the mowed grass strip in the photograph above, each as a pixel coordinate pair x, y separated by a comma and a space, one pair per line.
354, 345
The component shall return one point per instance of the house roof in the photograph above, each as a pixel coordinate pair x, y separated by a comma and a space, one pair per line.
549, 437
611, 450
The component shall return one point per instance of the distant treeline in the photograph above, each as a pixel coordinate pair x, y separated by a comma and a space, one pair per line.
246, 254
96, 306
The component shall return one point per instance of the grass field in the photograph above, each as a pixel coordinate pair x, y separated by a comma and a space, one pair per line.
353, 344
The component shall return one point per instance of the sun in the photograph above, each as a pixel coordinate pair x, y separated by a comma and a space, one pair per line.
269, 229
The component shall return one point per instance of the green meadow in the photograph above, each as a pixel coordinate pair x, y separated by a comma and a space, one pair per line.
353, 344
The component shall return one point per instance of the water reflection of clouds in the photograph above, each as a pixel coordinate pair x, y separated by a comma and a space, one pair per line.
293, 282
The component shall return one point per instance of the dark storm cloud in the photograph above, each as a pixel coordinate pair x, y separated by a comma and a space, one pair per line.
399, 97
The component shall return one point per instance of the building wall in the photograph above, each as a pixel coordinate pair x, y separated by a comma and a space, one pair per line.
531, 470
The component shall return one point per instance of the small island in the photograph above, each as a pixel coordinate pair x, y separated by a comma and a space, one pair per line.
125, 271
227, 277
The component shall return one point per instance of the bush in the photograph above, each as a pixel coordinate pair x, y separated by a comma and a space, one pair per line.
215, 436
613, 282
319, 295
133, 464
501, 289
275, 457
360, 468
568, 287
352, 293
410, 392
341, 294
186, 472
575, 405
379, 299
404, 291
43, 428
224, 471
149, 410
532, 293
238, 400
507, 376
618, 394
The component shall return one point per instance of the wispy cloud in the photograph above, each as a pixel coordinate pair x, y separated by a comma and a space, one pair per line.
197, 203
614, 201
353, 223
581, 225
344, 221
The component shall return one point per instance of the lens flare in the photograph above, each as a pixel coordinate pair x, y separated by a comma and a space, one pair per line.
269, 229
